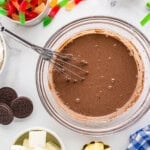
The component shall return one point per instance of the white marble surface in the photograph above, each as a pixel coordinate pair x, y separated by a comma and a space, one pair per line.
19, 71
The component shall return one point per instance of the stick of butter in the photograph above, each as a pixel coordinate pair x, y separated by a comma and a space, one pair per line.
37, 139
17, 147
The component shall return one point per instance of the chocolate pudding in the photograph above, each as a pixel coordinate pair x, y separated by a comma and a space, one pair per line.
113, 80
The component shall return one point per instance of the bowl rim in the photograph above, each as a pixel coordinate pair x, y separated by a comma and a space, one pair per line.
4, 51
34, 19
49, 131
72, 127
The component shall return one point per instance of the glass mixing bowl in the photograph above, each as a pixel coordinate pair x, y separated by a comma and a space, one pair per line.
96, 126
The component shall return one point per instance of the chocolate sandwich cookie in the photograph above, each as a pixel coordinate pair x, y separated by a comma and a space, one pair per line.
7, 94
22, 107
6, 114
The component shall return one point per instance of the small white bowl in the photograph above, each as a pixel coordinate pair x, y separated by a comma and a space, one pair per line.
36, 20
2, 52
51, 136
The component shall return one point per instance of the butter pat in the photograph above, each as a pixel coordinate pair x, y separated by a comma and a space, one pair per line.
37, 148
17, 147
37, 139
26, 143
52, 146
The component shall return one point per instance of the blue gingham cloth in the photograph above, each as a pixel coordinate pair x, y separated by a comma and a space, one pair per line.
140, 140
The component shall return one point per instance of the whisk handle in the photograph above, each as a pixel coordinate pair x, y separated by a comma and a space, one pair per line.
43, 52
23, 41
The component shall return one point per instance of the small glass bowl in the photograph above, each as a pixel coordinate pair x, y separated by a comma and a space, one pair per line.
51, 136
2, 52
96, 126
36, 20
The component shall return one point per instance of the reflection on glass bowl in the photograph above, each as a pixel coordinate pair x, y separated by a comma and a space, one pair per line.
2, 52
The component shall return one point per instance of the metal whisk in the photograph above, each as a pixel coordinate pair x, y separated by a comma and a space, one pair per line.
58, 59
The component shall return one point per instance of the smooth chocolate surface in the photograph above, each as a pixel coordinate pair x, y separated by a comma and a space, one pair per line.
110, 82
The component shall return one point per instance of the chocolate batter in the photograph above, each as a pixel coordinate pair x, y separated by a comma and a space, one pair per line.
111, 80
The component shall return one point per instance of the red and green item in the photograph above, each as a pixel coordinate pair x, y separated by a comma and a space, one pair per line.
22, 10
148, 4
55, 9
146, 19
72, 4
48, 19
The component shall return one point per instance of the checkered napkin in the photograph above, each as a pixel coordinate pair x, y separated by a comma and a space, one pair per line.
140, 140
